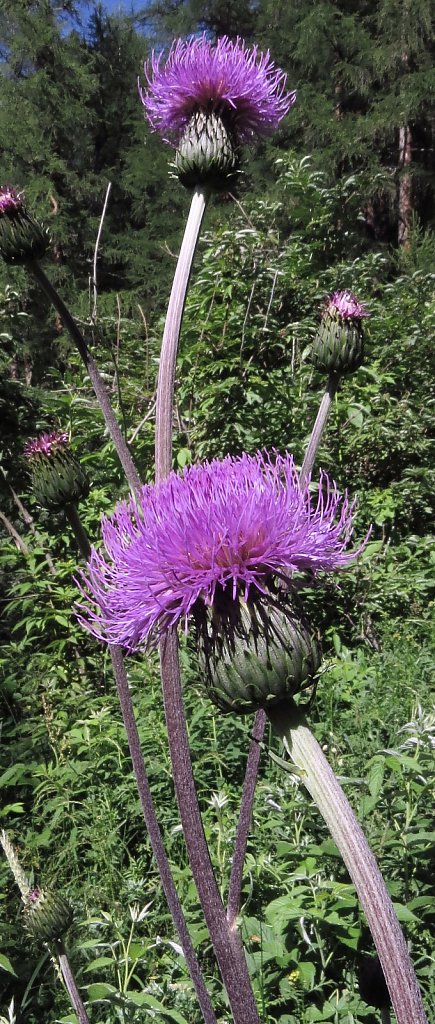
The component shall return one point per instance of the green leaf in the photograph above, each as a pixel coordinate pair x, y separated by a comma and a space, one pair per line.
6, 965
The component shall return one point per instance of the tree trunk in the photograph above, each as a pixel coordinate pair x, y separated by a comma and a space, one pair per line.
405, 187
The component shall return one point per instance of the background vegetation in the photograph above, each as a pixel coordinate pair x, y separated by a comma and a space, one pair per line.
342, 198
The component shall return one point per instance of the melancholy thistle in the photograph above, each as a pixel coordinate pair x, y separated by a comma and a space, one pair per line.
22, 238
221, 543
339, 343
58, 479
208, 100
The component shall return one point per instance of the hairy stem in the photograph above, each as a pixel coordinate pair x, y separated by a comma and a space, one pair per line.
171, 334
245, 815
289, 722
145, 797
102, 397
155, 834
70, 983
226, 941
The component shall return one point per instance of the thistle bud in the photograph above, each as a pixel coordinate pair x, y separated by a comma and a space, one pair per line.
48, 915
22, 238
257, 655
57, 477
207, 153
339, 343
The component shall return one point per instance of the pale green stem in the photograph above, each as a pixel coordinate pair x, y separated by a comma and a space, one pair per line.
171, 334
319, 426
289, 722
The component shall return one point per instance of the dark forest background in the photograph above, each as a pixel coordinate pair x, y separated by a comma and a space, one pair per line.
343, 196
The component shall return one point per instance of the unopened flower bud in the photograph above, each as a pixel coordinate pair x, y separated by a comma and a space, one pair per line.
57, 477
22, 238
339, 343
48, 915
256, 655
207, 153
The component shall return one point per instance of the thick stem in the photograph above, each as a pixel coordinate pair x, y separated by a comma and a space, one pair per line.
155, 834
253, 762
226, 941
289, 722
145, 797
70, 984
245, 817
103, 399
319, 426
168, 355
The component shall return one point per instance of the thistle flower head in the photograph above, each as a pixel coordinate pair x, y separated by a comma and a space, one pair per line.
58, 479
338, 346
22, 238
346, 306
242, 85
215, 534
10, 200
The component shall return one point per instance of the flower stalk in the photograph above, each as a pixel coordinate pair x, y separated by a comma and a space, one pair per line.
289, 723
102, 397
226, 942
343, 307
319, 427
145, 797
70, 982
171, 334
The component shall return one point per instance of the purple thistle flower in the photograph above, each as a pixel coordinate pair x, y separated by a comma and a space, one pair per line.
346, 306
220, 528
242, 86
46, 444
10, 200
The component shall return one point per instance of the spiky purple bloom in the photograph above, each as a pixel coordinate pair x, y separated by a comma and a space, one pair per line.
346, 306
223, 527
46, 444
10, 200
241, 85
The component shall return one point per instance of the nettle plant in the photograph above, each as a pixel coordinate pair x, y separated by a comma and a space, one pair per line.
223, 549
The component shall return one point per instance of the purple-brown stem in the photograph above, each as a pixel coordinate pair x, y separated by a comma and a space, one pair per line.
248, 793
102, 397
245, 817
289, 723
225, 939
145, 797
70, 983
